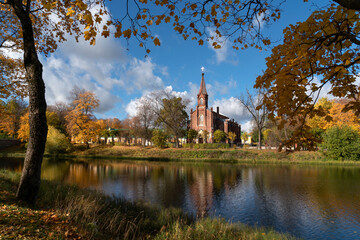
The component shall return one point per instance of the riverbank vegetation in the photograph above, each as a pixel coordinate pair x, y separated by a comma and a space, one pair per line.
64, 211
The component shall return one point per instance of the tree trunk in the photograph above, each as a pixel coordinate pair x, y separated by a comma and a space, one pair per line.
176, 142
259, 147
30, 178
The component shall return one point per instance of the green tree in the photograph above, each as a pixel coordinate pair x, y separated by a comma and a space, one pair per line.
244, 136
106, 133
191, 135
341, 143
219, 136
171, 114
159, 138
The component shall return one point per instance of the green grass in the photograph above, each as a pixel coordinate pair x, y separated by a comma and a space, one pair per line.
68, 212
114, 153
111, 153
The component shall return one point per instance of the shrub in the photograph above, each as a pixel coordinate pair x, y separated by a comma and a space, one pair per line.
188, 145
56, 142
159, 138
341, 143
219, 136
191, 135
206, 145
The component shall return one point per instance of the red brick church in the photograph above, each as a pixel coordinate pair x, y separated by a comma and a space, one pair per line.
203, 118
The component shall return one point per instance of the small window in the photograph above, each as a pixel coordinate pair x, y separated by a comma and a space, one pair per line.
201, 101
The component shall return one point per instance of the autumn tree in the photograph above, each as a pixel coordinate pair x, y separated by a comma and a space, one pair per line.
33, 27
61, 109
232, 137
254, 104
81, 124
334, 115
322, 50
11, 113
24, 129
114, 123
219, 136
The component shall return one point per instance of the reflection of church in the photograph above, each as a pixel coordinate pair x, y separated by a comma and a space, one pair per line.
205, 119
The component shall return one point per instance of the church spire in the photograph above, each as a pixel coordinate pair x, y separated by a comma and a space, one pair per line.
202, 95
202, 86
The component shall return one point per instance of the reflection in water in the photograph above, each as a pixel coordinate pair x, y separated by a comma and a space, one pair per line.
309, 202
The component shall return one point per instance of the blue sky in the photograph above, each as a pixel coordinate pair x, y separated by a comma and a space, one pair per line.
119, 74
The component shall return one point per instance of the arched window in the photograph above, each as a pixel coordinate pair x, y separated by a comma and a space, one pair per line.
201, 101
201, 120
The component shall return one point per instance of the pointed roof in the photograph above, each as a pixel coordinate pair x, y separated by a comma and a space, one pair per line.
202, 86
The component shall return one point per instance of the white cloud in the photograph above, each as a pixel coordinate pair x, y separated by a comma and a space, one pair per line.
259, 20
232, 108
10, 52
223, 54
131, 107
103, 69
141, 76
93, 68
247, 126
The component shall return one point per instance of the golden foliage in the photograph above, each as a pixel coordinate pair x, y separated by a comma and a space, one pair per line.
24, 130
80, 122
335, 116
321, 50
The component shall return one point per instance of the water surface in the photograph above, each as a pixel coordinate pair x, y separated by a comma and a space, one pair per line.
311, 202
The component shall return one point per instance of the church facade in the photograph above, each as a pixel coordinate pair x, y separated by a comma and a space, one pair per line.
203, 119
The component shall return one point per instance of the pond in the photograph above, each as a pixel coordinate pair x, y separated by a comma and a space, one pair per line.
310, 202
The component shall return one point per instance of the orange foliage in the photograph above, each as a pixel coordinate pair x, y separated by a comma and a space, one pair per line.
81, 124
335, 115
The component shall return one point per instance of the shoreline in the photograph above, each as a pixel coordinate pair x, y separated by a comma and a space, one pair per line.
231, 156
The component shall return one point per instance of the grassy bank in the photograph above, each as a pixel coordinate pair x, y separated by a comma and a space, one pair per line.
67, 212
204, 155
253, 156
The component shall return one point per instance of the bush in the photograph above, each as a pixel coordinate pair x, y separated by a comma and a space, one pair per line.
341, 143
56, 142
159, 138
219, 136
188, 145
206, 145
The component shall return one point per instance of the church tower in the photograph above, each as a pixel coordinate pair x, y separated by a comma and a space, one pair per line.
202, 95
